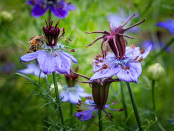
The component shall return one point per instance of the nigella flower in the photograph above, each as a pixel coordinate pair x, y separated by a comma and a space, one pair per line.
154, 45
72, 92
100, 91
52, 58
32, 68
169, 24
127, 69
90, 106
124, 62
58, 7
119, 18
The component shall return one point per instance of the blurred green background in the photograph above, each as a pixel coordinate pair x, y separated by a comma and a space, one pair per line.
20, 103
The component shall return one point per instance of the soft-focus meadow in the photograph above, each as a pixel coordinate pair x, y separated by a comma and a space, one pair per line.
21, 105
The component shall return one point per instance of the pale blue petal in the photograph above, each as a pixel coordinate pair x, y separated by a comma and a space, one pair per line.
73, 97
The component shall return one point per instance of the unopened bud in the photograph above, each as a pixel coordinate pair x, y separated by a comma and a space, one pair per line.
6, 16
155, 71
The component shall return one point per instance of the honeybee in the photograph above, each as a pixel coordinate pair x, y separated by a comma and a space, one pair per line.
36, 42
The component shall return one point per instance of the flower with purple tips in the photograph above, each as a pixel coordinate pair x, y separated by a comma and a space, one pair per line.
169, 24
60, 8
52, 58
124, 62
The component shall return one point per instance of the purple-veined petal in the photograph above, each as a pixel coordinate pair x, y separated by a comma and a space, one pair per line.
69, 55
90, 102
73, 97
132, 74
71, 7
85, 115
38, 10
30, 56
46, 62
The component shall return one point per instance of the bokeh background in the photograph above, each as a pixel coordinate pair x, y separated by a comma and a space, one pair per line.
20, 103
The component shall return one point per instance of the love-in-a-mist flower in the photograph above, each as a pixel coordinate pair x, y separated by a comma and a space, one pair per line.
100, 91
51, 58
60, 8
116, 19
32, 68
71, 91
124, 62
169, 24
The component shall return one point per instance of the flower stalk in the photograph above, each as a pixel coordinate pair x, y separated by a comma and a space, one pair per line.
123, 101
134, 106
153, 96
58, 99
100, 121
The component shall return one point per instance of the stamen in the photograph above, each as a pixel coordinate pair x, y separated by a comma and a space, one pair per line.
128, 20
134, 25
95, 41
142, 51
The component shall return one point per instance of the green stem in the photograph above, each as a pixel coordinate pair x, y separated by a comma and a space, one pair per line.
58, 98
154, 105
71, 113
123, 101
49, 14
153, 96
134, 106
100, 121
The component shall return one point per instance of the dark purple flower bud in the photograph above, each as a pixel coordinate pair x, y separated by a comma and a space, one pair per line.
71, 79
115, 39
